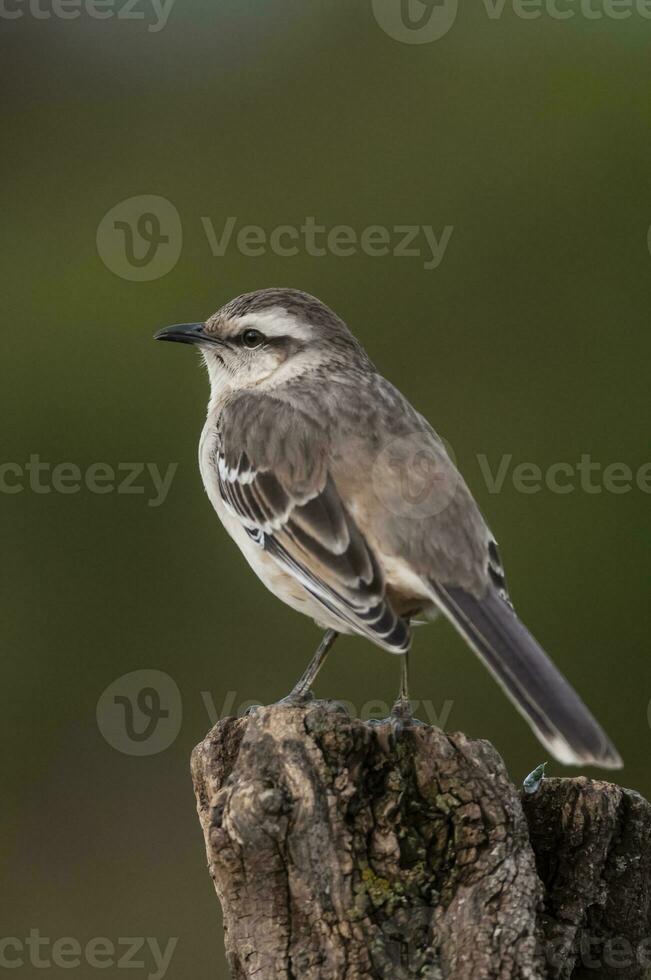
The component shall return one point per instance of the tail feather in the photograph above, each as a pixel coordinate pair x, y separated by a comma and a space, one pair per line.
539, 691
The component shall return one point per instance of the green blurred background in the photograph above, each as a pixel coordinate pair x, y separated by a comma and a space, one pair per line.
531, 138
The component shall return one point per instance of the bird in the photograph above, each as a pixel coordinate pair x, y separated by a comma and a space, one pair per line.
346, 504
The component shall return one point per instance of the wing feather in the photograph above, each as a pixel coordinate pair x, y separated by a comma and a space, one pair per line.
289, 505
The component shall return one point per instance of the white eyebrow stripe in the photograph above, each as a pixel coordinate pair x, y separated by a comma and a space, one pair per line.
276, 322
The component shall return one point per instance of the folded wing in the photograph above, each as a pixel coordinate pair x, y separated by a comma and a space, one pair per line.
273, 476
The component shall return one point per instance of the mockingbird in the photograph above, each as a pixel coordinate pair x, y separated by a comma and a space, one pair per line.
309, 455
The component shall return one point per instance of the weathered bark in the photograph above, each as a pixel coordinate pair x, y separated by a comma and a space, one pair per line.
592, 842
340, 852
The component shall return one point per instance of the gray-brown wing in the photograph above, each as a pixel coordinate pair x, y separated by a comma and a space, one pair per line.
273, 476
407, 495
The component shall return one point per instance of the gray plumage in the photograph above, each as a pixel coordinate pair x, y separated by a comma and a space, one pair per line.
309, 456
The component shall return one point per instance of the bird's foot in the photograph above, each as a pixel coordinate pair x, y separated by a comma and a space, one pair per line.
297, 698
402, 718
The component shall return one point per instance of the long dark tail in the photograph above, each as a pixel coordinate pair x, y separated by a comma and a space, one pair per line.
539, 691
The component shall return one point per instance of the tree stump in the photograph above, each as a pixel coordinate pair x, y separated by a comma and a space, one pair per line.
346, 850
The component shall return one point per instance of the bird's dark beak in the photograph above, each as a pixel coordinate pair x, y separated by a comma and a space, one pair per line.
182, 333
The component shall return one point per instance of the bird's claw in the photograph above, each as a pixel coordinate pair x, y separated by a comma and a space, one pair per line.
297, 699
402, 719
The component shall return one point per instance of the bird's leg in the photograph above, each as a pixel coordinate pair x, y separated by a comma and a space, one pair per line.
403, 694
301, 690
401, 713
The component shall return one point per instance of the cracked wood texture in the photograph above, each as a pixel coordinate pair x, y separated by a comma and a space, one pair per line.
341, 852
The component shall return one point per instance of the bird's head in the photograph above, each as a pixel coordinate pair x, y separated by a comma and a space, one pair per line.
270, 335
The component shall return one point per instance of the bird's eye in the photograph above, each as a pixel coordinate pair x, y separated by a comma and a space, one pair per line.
252, 338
